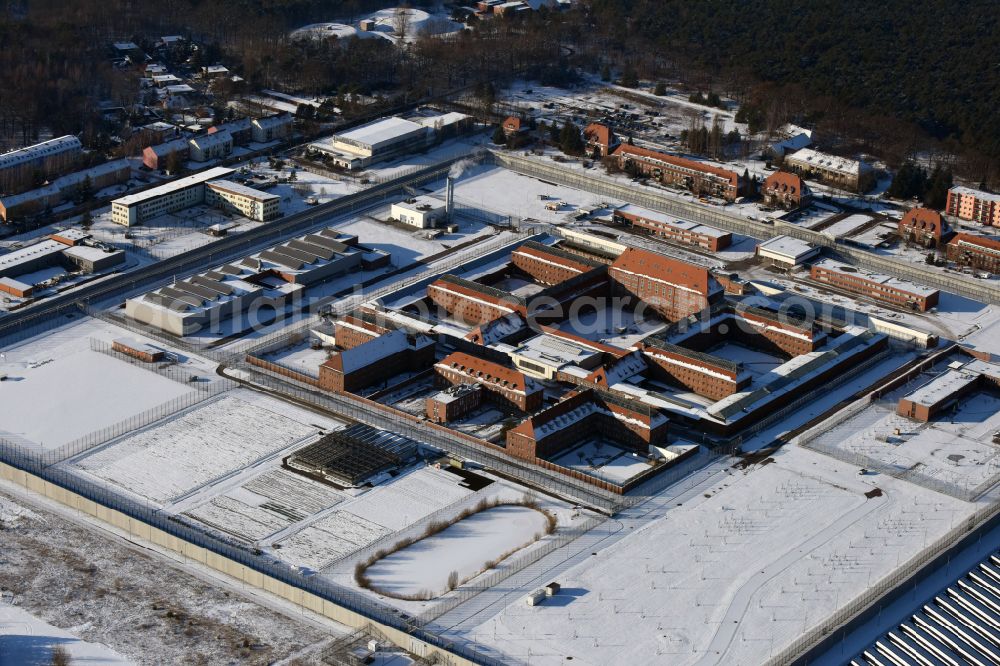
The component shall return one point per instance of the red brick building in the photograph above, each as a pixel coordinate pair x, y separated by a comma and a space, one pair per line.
504, 385
975, 251
471, 302
453, 402
549, 265
785, 190
513, 126
582, 415
670, 228
139, 350
949, 389
700, 178
923, 226
601, 140
375, 361
879, 287
673, 288
352, 331
968, 204
703, 374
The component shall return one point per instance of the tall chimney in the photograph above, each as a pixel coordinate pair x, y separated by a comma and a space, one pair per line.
450, 200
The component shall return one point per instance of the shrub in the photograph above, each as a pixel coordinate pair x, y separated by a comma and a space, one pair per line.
452, 580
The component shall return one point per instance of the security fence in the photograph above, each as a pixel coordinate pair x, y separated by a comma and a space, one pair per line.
877, 591
698, 212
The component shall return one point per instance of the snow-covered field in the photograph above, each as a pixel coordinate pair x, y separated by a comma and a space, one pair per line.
169, 460
848, 225
58, 389
604, 458
466, 548
732, 574
360, 521
955, 449
26, 640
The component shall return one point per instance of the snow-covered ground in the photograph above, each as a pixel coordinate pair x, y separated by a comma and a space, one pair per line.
26, 640
171, 459
607, 460
733, 574
954, 449
471, 545
58, 389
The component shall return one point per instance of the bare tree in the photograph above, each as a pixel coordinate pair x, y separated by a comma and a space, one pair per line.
401, 21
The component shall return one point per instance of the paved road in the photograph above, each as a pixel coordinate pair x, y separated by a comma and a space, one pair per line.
226, 249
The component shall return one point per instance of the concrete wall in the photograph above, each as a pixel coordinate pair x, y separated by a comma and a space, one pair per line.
140, 530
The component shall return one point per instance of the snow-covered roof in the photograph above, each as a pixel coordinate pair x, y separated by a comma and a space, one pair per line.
40, 150
13, 259
827, 162
663, 218
551, 351
877, 278
242, 190
380, 132
971, 192
174, 186
788, 248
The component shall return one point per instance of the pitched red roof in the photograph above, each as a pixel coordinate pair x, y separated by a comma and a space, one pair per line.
488, 372
674, 271
987, 243
560, 257
784, 183
922, 218
682, 162
599, 134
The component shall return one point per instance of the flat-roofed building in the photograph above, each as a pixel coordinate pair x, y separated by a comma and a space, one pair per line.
975, 251
698, 177
20, 168
966, 203
545, 356
841, 172
421, 212
373, 142
785, 251
133, 209
453, 402
949, 388
670, 228
246, 201
880, 287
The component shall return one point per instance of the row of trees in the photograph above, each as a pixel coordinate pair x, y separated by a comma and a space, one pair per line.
911, 181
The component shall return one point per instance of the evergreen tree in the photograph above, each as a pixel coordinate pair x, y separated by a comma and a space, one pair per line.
629, 78
499, 137
570, 140
909, 181
661, 89
605, 73
937, 188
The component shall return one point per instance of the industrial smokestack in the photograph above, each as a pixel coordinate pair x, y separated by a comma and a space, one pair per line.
450, 200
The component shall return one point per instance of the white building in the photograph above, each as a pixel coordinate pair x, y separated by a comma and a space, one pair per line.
373, 142
421, 212
271, 128
133, 209
269, 278
210, 146
831, 169
786, 251
246, 201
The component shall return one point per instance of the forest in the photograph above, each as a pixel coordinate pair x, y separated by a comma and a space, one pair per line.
894, 78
